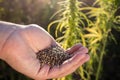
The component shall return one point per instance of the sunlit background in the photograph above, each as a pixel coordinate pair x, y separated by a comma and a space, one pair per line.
40, 12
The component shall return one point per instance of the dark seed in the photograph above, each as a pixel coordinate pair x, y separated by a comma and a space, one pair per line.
53, 56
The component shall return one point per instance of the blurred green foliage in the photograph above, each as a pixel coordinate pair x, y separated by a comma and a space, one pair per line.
27, 11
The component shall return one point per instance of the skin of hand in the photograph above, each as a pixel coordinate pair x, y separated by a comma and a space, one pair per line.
20, 49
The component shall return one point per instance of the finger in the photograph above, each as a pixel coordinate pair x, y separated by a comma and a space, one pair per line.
69, 64
40, 79
74, 48
81, 50
73, 66
71, 70
43, 72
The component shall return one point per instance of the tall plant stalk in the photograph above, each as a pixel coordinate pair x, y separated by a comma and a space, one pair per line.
101, 59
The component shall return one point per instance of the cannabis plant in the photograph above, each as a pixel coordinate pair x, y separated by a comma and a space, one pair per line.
69, 23
76, 27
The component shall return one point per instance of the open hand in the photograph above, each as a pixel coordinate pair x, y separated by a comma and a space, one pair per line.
22, 45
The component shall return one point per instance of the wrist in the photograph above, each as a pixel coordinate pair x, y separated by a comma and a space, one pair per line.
6, 30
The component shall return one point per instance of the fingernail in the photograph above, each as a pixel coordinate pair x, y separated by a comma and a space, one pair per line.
83, 49
87, 57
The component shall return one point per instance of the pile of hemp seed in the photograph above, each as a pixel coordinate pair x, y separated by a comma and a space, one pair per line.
52, 56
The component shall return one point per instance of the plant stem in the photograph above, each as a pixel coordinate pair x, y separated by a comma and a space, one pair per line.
101, 58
